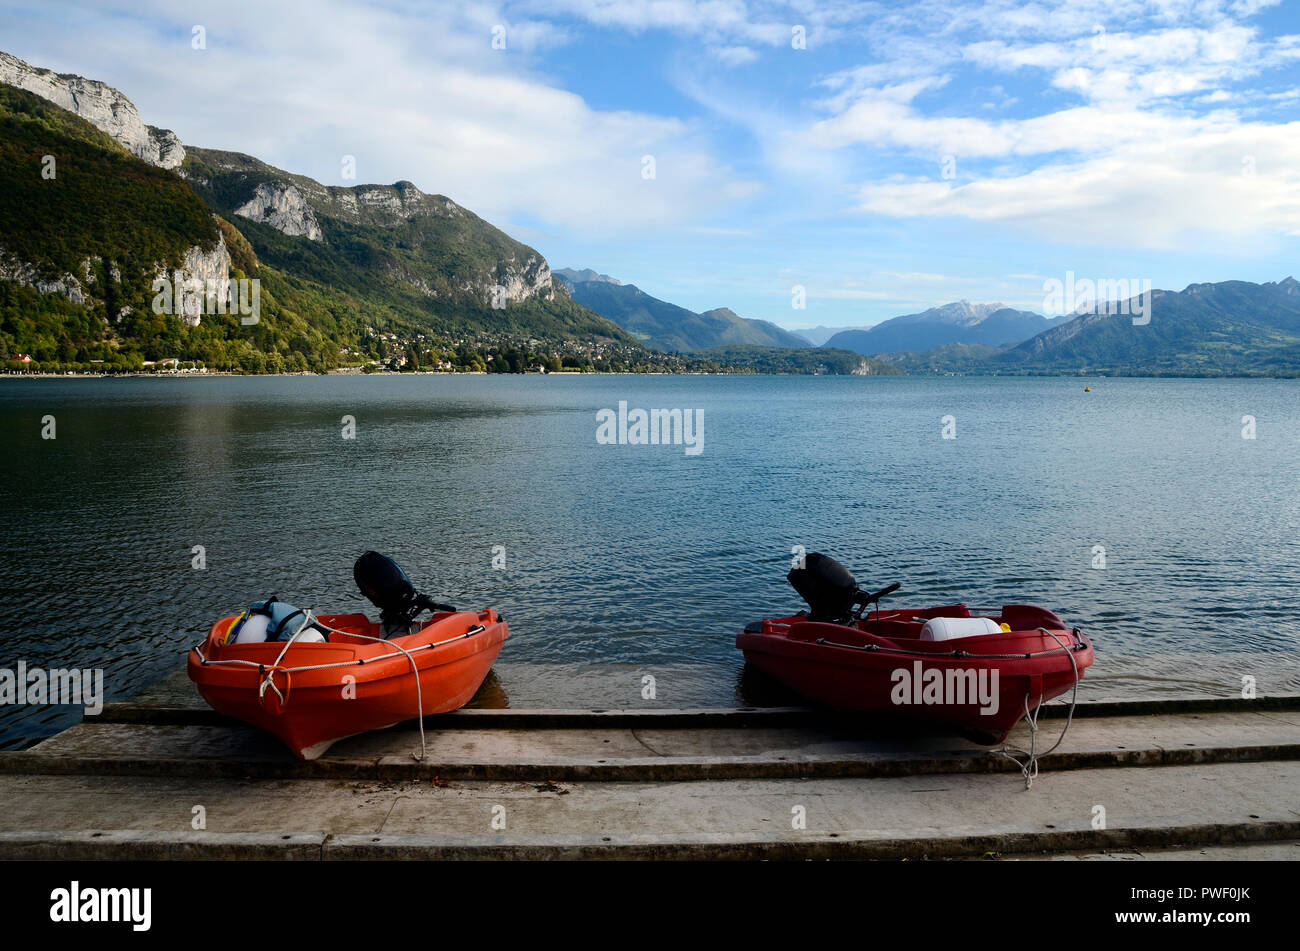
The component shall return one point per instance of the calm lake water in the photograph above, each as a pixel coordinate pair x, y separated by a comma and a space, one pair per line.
626, 560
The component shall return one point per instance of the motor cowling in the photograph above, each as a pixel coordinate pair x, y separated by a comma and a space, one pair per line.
829, 588
386, 586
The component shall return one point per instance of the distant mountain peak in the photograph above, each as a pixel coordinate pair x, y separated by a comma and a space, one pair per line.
666, 326
962, 313
959, 322
817, 336
585, 275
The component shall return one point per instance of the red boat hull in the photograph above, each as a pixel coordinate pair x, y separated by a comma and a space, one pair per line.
315, 708
981, 686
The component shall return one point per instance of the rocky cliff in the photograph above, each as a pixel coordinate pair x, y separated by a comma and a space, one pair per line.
283, 207
99, 104
427, 242
83, 247
202, 277
207, 271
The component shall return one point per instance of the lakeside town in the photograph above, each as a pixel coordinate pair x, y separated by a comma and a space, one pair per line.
378, 352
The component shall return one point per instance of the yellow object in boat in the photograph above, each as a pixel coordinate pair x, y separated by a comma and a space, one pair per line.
232, 627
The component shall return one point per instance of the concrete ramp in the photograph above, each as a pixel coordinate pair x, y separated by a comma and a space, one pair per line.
162, 777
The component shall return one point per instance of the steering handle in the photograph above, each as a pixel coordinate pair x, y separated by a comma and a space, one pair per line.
423, 601
865, 598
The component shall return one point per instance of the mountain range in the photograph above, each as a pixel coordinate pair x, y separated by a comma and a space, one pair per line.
1226, 328
960, 322
96, 206
668, 327
1232, 328
819, 335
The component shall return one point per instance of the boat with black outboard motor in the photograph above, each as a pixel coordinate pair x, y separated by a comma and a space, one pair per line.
978, 672
314, 679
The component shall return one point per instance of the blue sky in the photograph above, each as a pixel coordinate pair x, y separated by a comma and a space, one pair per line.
906, 156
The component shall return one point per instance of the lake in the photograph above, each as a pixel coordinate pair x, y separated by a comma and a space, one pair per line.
626, 560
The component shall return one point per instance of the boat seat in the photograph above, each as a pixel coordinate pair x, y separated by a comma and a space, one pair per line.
1027, 617
893, 628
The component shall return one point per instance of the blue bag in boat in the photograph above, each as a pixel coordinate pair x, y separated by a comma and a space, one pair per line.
273, 620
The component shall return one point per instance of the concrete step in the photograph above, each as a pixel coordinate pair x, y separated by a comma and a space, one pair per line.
640, 747
1288, 851
174, 699
919, 816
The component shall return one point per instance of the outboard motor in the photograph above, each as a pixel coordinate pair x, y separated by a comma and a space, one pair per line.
388, 588
829, 588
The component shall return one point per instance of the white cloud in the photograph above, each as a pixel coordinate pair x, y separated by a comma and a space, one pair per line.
887, 118
723, 22
918, 277
735, 55
1232, 183
422, 98
1151, 118
1153, 151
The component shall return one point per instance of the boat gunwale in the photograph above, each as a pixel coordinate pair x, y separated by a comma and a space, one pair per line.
879, 649
345, 659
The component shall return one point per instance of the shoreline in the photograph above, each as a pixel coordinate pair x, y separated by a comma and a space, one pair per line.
1064, 375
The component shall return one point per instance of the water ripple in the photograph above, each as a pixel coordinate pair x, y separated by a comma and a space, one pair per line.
623, 560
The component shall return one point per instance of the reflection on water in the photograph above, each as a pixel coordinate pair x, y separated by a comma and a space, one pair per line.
627, 561
491, 694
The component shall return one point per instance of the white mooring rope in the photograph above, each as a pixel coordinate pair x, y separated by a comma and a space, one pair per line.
1029, 766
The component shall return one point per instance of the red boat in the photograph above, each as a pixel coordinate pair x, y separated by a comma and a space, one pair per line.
979, 673
316, 694
321, 678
